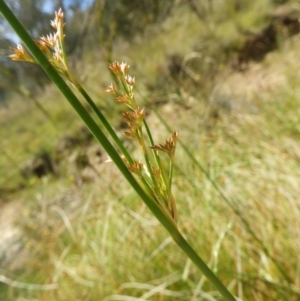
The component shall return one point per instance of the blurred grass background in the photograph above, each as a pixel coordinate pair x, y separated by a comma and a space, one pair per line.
83, 228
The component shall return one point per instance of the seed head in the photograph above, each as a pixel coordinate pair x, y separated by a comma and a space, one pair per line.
124, 67
43, 46
50, 40
111, 89
123, 99
118, 69
136, 167
169, 147
21, 55
130, 80
59, 19
134, 119
139, 114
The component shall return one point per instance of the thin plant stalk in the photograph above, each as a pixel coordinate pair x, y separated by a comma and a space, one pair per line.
156, 158
163, 217
106, 124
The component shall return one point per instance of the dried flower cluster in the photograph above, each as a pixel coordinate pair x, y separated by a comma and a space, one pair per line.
169, 147
52, 46
21, 55
152, 174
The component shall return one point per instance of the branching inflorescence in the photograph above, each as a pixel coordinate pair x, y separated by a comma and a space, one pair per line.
151, 173
53, 48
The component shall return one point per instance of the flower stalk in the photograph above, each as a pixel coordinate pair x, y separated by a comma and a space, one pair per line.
156, 177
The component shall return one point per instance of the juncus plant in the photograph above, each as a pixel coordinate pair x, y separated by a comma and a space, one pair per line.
148, 177
151, 173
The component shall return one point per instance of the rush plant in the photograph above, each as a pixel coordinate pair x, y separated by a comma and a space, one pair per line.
149, 178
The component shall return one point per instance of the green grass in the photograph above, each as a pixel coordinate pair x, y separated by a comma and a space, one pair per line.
22, 139
113, 246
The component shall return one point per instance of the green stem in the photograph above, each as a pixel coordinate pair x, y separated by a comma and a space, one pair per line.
62, 44
162, 174
148, 164
147, 186
171, 167
155, 154
105, 123
163, 218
